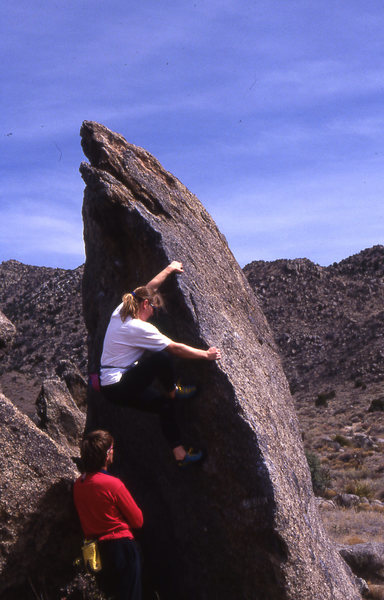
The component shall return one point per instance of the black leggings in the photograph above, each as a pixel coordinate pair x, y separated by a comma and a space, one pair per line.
120, 574
134, 390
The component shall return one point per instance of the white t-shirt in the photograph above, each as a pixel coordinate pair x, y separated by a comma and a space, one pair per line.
125, 342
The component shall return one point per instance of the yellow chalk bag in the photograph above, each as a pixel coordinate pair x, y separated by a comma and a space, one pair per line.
91, 555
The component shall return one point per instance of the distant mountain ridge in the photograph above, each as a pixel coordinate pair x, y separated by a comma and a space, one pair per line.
328, 321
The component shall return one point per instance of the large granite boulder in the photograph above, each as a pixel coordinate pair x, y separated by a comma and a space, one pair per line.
39, 534
246, 523
59, 415
75, 382
366, 560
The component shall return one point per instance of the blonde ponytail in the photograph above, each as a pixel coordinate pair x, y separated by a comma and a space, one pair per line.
131, 302
130, 306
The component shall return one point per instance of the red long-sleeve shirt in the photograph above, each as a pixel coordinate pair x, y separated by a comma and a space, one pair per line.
105, 507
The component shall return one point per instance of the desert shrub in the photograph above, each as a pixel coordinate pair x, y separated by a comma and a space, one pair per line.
329, 494
360, 384
376, 592
347, 457
342, 440
359, 488
377, 404
321, 402
323, 397
321, 478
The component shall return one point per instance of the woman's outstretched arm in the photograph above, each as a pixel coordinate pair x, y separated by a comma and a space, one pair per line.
174, 267
185, 351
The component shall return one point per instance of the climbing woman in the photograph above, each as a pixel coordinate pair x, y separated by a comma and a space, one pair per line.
135, 354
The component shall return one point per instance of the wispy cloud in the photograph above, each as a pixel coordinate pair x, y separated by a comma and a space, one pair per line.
274, 108
46, 225
26, 235
322, 218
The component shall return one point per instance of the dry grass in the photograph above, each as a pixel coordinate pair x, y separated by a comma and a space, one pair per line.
354, 539
345, 524
376, 592
342, 440
361, 488
359, 482
369, 508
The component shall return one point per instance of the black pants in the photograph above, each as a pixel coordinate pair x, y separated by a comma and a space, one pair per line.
134, 390
120, 574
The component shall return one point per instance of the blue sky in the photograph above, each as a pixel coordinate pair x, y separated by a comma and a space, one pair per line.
271, 112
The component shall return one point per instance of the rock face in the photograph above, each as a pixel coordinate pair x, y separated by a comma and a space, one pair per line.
39, 530
74, 381
59, 415
328, 321
44, 304
245, 524
39, 533
366, 560
7, 334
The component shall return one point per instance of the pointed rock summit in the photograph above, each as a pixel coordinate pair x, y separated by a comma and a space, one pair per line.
244, 524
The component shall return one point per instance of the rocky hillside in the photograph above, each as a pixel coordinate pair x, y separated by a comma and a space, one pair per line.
327, 321
45, 305
329, 325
